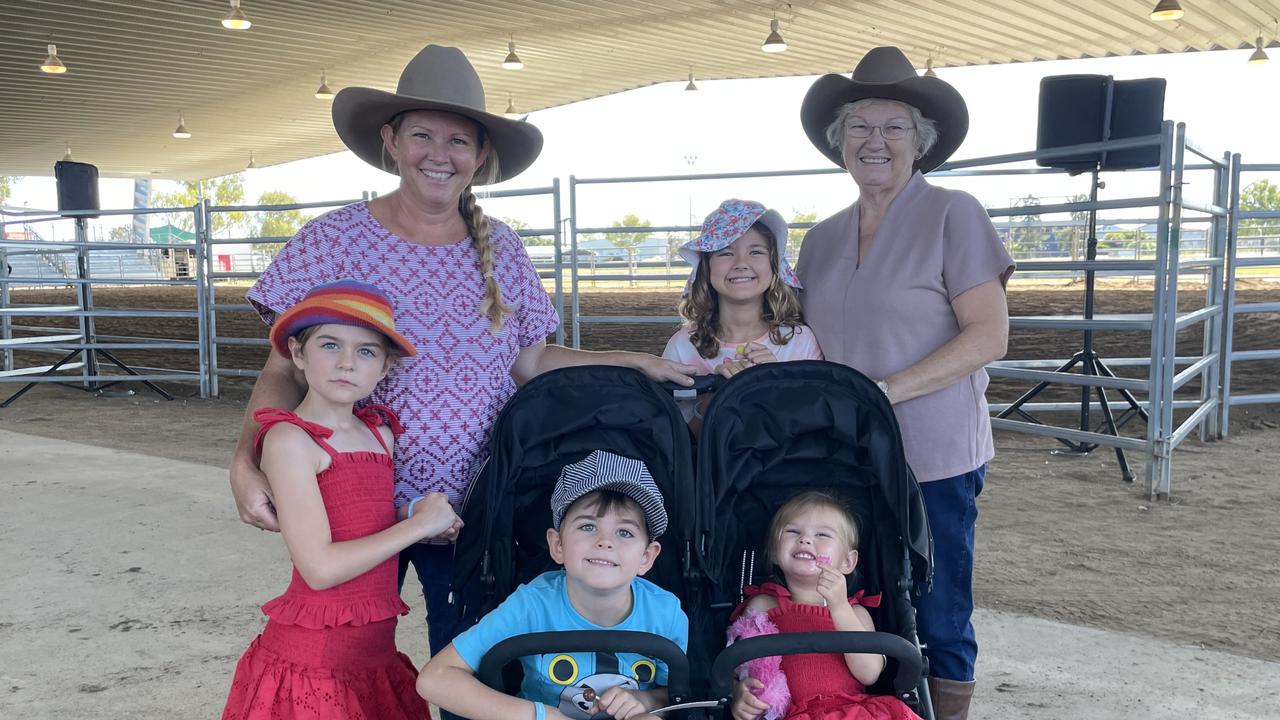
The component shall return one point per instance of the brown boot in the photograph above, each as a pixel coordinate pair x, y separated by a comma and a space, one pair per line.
950, 698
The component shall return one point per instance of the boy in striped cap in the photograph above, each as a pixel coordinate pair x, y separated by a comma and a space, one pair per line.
606, 514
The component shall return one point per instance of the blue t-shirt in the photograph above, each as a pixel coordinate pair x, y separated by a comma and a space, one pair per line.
542, 605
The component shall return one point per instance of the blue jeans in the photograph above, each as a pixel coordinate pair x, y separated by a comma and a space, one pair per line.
943, 613
434, 567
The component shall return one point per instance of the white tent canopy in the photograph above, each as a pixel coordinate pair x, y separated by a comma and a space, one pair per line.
133, 65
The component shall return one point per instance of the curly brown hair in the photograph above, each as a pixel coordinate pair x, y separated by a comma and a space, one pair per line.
779, 305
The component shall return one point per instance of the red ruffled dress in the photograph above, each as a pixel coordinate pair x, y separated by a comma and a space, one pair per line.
331, 654
822, 688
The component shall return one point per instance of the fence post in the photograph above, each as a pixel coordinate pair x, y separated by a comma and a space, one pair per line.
203, 328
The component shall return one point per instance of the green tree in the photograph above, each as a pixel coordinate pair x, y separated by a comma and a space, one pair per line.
276, 223
6, 187
1029, 236
518, 225
796, 235
629, 241
226, 190
1260, 195
1079, 228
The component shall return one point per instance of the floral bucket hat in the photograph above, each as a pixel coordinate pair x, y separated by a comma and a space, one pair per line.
731, 221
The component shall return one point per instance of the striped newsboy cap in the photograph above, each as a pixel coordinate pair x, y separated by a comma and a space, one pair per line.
342, 302
602, 470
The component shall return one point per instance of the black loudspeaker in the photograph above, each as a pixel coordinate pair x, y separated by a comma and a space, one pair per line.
77, 186
1078, 109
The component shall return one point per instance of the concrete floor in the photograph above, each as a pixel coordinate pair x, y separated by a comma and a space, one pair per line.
131, 588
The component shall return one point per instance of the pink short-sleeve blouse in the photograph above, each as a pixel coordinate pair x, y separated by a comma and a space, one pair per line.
894, 309
449, 395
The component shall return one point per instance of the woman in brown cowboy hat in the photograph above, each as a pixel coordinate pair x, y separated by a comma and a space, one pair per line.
907, 286
462, 287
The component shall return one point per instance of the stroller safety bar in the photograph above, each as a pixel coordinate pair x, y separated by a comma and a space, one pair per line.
654, 646
723, 670
702, 384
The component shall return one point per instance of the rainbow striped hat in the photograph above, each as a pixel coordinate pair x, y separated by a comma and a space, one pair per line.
342, 302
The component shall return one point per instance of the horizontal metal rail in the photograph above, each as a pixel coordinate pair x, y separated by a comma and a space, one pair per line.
1079, 436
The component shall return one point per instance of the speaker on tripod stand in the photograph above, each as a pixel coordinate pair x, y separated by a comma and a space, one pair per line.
1079, 110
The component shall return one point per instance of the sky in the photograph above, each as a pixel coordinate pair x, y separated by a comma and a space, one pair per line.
746, 125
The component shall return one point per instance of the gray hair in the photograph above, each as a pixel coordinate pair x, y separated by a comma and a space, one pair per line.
926, 128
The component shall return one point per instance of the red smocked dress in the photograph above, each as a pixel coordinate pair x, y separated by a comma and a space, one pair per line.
822, 688
331, 654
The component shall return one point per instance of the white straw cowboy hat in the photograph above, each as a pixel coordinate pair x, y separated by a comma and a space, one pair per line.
437, 78
885, 72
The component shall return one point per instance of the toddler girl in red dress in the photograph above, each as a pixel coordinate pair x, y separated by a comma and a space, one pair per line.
813, 542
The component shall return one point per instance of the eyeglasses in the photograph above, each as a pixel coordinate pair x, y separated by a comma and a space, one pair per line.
888, 132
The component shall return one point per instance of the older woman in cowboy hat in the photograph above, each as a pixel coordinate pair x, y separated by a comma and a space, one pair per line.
463, 289
907, 285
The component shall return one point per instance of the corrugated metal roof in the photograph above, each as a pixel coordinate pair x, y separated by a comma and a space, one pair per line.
133, 64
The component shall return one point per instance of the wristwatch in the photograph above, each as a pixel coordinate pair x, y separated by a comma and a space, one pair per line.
884, 387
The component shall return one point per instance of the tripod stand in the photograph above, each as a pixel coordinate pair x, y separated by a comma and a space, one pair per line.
1090, 363
88, 334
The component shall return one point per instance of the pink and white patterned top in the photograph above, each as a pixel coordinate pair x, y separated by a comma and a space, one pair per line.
450, 394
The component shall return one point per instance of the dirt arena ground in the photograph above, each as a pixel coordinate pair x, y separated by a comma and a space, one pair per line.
1060, 538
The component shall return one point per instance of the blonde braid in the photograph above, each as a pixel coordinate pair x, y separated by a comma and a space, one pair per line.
492, 306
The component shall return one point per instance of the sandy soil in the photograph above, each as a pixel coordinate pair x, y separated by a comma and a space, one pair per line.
1060, 538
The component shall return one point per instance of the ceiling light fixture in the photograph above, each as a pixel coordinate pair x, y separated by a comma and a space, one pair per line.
67, 156
181, 132
236, 19
774, 43
253, 163
1259, 56
928, 69
512, 61
323, 92
53, 64
691, 87
510, 113
1166, 10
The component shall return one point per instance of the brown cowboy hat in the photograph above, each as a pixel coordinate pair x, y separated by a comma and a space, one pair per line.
437, 78
885, 72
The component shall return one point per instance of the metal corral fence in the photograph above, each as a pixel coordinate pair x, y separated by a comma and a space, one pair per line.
1235, 262
81, 264
1174, 236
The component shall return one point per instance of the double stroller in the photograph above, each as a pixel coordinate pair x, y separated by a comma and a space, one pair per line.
769, 433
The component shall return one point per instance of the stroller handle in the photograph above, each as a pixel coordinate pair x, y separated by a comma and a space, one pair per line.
878, 643
612, 641
702, 384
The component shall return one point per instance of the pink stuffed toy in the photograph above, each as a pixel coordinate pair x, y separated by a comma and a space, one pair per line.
768, 670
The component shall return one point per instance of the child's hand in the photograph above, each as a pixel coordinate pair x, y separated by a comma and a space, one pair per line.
619, 703
729, 368
746, 706
452, 533
433, 515
832, 587
757, 354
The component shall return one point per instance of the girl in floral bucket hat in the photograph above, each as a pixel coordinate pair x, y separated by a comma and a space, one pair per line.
740, 303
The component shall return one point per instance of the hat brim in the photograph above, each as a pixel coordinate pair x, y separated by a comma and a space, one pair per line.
773, 220
936, 99
284, 328
359, 114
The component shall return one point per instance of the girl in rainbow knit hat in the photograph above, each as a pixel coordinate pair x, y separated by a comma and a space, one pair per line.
328, 649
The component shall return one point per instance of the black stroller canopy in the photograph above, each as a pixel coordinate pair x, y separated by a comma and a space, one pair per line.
558, 418
776, 430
